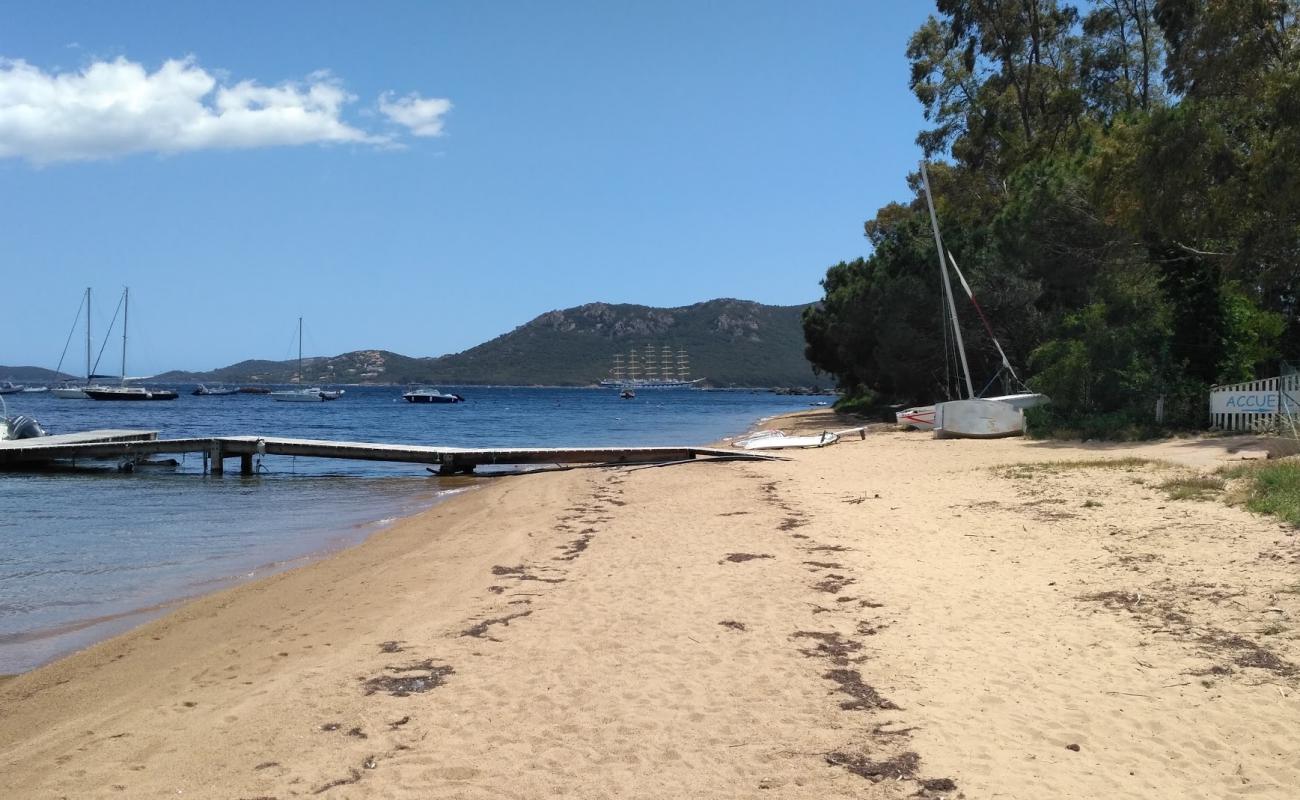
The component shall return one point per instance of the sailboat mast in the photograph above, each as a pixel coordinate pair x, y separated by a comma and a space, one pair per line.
87, 335
300, 351
126, 309
947, 285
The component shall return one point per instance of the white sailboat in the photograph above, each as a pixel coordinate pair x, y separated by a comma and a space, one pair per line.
313, 394
67, 392
972, 417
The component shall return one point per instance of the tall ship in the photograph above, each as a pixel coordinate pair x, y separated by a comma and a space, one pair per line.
652, 368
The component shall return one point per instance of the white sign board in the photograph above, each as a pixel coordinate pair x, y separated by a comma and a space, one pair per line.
1243, 402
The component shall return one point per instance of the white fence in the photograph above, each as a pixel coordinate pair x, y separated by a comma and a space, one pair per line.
1254, 405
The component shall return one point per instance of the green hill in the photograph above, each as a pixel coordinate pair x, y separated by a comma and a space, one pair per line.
729, 343
33, 375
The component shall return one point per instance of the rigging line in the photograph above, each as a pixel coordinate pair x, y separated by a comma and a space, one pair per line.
108, 333
71, 331
988, 327
996, 375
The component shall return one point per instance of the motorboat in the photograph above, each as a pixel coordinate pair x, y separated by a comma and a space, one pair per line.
8, 387
425, 394
315, 394
626, 394
19, 426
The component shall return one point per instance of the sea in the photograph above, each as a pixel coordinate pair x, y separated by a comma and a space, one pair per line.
90, 552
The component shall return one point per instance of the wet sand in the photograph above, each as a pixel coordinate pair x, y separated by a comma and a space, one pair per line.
874, 619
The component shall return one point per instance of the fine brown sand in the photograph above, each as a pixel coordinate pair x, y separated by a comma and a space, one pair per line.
893, 617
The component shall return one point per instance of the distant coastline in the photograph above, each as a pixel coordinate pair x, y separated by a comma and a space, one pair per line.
730, 343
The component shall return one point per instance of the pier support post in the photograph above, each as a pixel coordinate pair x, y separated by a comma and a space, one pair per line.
246, 464
215, 456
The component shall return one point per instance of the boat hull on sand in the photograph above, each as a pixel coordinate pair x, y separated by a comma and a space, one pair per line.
977, 419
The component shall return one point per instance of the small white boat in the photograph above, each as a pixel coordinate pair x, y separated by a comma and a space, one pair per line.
777, 440
35, 389
920, 417
313, 395
426, 394
69, 393
8, 387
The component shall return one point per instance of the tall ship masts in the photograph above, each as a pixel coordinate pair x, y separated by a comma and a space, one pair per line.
651, 366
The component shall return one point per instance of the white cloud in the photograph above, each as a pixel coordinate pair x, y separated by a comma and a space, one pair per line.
421, 116
114, 108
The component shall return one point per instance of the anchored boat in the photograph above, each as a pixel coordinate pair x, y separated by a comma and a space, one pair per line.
315, 394
122, 391
425, 394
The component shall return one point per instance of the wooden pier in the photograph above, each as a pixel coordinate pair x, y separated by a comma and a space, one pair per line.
129, 446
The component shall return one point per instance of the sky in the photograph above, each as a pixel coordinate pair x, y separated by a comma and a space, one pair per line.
422, 177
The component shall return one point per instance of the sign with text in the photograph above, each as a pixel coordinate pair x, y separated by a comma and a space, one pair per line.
1244, 403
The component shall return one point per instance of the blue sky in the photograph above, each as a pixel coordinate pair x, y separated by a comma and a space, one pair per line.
421, 177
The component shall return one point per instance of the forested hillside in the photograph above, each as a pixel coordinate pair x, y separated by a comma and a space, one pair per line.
1120, 182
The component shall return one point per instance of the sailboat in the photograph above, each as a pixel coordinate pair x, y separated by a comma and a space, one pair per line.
122, 391
66, 391
972, 417
313, 395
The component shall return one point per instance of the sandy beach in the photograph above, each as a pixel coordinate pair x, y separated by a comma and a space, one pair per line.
889, 617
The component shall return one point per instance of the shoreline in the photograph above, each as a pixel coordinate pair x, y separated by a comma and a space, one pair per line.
336, 542
324, 544
877, 618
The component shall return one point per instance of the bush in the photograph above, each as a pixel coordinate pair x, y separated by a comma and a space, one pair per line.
1046, 422
863, 402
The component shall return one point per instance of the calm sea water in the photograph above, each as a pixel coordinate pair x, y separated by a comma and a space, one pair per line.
89, 553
